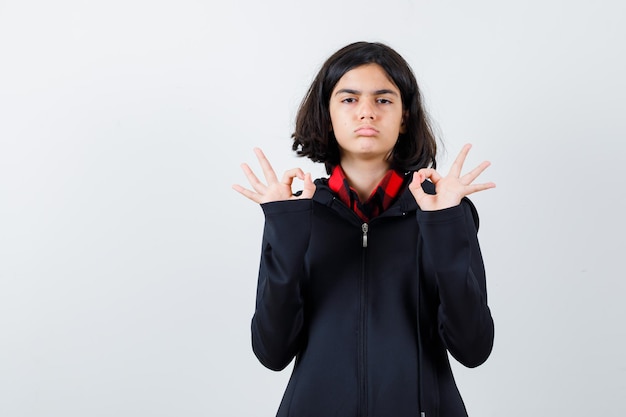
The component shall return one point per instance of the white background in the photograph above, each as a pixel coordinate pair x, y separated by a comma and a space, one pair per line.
128, 264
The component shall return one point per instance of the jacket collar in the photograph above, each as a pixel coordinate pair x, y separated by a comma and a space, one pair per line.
404, 204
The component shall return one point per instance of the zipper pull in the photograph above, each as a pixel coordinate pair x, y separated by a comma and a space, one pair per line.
364, 228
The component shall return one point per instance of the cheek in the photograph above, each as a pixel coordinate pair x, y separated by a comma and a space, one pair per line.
338, 120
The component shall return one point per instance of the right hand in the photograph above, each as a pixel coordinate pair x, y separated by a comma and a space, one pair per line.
274, 190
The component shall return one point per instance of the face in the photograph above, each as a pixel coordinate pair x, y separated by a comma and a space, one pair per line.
366, 114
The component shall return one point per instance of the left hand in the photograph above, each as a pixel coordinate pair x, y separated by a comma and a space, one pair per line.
450, 189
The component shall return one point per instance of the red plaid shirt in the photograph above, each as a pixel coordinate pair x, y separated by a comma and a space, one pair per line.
380, 199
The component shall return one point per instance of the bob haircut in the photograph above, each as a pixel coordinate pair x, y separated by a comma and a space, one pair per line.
313, 136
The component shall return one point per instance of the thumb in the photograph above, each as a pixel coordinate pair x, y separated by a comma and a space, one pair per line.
309, 187
416, 186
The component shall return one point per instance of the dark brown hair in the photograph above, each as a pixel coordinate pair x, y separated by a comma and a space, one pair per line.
313, 136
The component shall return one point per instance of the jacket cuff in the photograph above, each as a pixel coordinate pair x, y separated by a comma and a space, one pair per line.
287, 206
450, 214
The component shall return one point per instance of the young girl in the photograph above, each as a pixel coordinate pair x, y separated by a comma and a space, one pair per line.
368, 278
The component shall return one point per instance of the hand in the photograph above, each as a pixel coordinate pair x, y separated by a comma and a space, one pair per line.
274, 190
450, 189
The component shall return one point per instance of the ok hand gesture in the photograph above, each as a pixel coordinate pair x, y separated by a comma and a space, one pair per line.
274, 190
451, 188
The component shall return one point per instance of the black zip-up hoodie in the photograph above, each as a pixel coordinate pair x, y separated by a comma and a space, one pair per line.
369, 309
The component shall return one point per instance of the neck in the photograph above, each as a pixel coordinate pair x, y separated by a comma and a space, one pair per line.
364, 176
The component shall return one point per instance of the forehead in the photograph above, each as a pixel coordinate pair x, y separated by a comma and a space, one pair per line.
368, 76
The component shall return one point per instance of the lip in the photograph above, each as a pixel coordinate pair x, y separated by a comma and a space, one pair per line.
366, 131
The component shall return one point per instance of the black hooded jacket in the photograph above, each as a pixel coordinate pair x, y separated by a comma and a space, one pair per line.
369, 310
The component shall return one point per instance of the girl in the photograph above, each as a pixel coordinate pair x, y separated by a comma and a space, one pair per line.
368, 278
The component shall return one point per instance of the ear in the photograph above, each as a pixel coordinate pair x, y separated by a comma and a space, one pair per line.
405, 116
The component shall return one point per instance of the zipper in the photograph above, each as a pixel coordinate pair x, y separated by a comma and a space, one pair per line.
364, 229
362, 347
362, 350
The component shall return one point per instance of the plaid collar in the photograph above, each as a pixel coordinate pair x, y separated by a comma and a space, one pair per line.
380, 200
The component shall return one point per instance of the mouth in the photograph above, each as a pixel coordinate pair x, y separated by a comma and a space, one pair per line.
366, 131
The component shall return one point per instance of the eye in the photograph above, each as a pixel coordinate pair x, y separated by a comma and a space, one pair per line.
383, 101
349, 100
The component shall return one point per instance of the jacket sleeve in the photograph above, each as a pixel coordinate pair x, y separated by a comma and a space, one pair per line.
464, 318
278, 317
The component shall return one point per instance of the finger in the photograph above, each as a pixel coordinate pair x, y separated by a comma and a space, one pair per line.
457, 165
429, 173
474, 188
268, 171
289, 175
247, 193
473, 174
258, 186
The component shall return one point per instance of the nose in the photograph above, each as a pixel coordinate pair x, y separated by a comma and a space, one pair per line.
366, 111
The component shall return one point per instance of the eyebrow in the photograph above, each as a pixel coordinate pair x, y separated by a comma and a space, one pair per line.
357, 92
